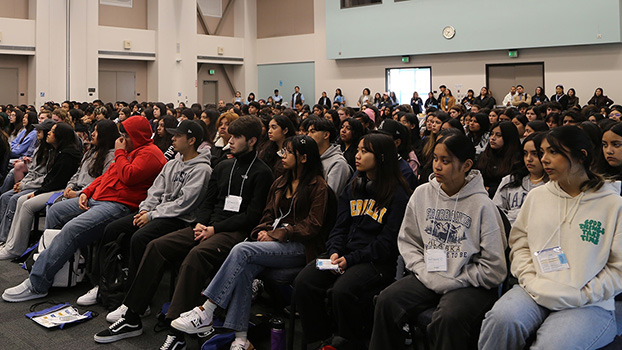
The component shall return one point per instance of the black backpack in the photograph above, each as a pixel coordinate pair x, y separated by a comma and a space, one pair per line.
113, 262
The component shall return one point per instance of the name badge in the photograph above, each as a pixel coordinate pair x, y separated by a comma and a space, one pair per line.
436, 260
552, 259
233, 203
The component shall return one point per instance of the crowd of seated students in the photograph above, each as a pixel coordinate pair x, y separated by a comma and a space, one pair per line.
226, 191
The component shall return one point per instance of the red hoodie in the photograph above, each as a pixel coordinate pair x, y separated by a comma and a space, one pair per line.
130, 175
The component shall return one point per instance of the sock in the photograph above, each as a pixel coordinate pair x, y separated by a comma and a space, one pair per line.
209, 307
241, 336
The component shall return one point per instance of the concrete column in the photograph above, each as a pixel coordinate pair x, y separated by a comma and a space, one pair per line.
172, 77
83, 58
49, 64
245, 77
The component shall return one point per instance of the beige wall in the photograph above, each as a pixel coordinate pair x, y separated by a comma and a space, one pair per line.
14, 9
224, 91
116, 16
21, 63
581, 67
280, 18
212, 22
139, 67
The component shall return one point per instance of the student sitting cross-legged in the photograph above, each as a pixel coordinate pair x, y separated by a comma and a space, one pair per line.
287, 236
170, 204
115, 193
236, 196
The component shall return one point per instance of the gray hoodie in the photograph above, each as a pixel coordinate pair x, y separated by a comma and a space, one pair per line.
36, 173
466, 225
179, 188
337, 171
81, 179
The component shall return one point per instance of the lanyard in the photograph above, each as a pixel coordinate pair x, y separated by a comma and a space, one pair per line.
291, 204
244, 177
558, 228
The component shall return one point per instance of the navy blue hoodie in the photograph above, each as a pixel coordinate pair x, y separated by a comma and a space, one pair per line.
363, 232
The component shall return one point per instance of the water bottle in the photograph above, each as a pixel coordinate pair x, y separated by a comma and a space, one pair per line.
277, 334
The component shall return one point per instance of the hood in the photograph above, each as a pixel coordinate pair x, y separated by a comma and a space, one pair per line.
333, 150
72, 152
474, 184
204, 157
139, 130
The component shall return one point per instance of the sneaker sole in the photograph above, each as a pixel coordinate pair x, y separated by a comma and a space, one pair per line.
193, 330
114, 338
12, 299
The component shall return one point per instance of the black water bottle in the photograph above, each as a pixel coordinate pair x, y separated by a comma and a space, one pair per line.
277, 334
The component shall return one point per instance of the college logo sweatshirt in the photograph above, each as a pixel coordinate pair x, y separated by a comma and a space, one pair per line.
467, 226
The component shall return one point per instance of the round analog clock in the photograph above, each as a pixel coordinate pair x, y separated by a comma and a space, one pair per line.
449, 32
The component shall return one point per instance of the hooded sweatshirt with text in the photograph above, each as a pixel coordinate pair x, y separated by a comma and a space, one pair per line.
587, 228
467, 226
179, 188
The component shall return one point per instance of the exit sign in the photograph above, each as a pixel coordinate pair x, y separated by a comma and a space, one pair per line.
513, 53
212, 71
405, 59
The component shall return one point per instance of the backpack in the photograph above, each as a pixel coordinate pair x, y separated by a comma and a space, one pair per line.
113, 262
70, 274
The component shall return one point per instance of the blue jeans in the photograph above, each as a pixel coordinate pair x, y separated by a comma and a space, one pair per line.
80, 228
516, 317
8, 205
8, 183
232, 286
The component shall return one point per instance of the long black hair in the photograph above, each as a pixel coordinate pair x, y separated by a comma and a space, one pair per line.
42, 153
269, 148
458, 144
302, 145
387, 170
164, 142
32, 120
571, 142
602, 166
107, 134
65, 136
498, 163
519, 171
14, 128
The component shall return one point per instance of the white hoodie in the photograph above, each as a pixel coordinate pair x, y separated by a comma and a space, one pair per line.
466, 225
589, 234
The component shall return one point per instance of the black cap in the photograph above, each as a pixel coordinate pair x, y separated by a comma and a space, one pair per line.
45, 125
190, 128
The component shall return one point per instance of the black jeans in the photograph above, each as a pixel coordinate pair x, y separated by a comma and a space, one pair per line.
455, 322
351, 299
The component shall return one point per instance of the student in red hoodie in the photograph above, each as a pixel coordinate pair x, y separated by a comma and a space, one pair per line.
112, 195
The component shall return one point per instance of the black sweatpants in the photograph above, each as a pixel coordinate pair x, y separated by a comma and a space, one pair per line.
201, 260
351, 299
138, 238
455, 323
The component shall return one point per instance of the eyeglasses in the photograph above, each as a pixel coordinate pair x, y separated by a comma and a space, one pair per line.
124, 135
284, 152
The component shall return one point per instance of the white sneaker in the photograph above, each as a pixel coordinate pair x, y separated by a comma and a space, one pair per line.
194, 321
239, 344
21, 292
115, 315
90, 298
6, 255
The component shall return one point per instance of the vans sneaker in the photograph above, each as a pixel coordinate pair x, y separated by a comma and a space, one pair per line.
238, 344
119, 330
174, 342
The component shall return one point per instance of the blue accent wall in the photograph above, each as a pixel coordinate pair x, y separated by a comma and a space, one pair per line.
270, 77
414, 27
